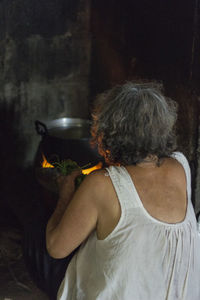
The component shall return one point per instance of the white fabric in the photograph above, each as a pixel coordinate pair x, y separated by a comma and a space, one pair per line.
142, 258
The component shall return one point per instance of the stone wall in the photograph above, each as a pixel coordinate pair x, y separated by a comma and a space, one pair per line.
44, 69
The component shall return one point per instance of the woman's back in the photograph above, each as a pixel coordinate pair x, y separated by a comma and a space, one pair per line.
162, 190
142, 255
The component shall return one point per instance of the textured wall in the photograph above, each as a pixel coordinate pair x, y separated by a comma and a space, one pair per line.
44, 68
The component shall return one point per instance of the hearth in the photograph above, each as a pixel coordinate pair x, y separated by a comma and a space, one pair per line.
66, 138
63, 139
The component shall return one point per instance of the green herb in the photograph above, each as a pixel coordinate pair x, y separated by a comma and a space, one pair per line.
67, 166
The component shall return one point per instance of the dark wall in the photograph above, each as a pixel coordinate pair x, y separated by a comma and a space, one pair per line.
147, 38
44, 75
152, 40
44, 68
22, 18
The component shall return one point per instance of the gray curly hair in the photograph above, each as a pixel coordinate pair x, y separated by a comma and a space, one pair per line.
134, 121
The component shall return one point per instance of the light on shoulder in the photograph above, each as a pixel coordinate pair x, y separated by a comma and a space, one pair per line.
96, 182
180, 175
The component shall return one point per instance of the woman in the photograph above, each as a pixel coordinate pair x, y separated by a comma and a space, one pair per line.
134, 219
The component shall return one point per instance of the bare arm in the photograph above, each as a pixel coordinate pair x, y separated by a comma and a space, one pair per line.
66, 185
72, 223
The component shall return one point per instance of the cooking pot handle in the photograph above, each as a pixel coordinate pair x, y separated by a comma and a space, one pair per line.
41, 128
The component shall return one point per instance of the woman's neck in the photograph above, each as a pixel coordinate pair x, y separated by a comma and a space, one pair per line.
151, 161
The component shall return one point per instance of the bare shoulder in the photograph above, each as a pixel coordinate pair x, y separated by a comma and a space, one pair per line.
98, 174
97, 182
175, 170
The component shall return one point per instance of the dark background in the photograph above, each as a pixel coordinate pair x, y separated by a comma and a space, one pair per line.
56, 56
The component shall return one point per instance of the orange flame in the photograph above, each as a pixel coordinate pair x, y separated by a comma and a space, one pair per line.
88, 171
46, 164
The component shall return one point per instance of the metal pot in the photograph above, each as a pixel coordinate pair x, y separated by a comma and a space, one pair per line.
67, 138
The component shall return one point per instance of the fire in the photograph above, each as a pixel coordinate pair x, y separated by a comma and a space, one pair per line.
88, 171
46, 164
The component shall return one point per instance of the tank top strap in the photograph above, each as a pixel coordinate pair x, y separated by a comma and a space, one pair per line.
184, 162
123, 186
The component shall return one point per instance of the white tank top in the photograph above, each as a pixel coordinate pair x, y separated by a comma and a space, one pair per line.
142, 258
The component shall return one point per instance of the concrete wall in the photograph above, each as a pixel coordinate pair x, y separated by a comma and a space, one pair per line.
44, 69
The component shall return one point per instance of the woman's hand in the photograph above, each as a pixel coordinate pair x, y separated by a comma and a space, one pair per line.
66, 186
72, 223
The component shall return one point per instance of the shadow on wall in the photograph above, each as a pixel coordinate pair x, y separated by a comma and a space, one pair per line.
20, 192
11, 151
